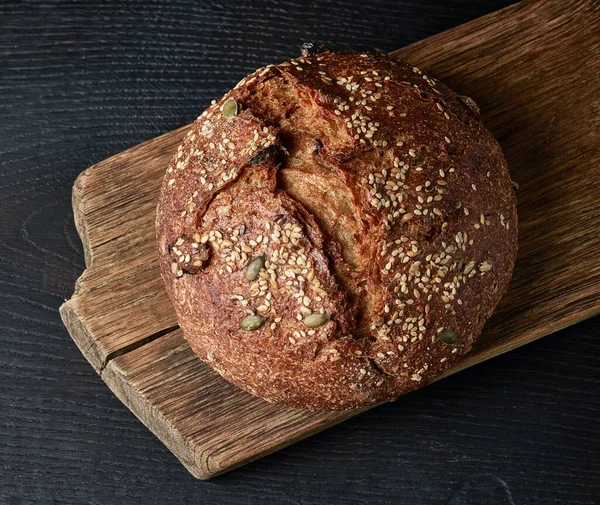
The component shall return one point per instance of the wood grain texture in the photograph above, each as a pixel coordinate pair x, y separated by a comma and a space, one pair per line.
81, 81
532, 69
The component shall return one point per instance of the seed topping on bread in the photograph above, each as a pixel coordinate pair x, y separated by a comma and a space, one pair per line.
348, 219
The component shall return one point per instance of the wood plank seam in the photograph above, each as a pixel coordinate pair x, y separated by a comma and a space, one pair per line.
136, 345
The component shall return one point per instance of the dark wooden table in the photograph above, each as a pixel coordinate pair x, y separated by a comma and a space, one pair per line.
82, 81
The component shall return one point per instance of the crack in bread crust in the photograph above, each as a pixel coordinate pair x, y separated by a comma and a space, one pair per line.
378, 209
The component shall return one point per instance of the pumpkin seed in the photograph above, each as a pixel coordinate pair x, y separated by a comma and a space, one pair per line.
251, 323
448, 336
230, 109
315, 320
254, 267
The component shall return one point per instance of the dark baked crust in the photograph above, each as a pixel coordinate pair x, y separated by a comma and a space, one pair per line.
376, 196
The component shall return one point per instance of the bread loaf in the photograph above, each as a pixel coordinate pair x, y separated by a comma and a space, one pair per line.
335, 230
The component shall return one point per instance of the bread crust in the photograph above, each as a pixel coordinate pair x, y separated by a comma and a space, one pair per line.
380, 210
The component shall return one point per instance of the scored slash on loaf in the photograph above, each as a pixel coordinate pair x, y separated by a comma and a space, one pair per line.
335, 231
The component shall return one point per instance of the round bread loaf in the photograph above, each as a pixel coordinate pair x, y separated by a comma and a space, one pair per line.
335, 231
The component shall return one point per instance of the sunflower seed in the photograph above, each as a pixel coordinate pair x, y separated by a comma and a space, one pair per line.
264, 155
313, 48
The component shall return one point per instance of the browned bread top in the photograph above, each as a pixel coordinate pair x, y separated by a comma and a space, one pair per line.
335, 231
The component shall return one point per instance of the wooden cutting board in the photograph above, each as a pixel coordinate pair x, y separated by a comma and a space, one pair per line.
533, 68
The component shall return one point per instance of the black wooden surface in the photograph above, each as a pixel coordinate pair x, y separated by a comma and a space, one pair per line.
80, 81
